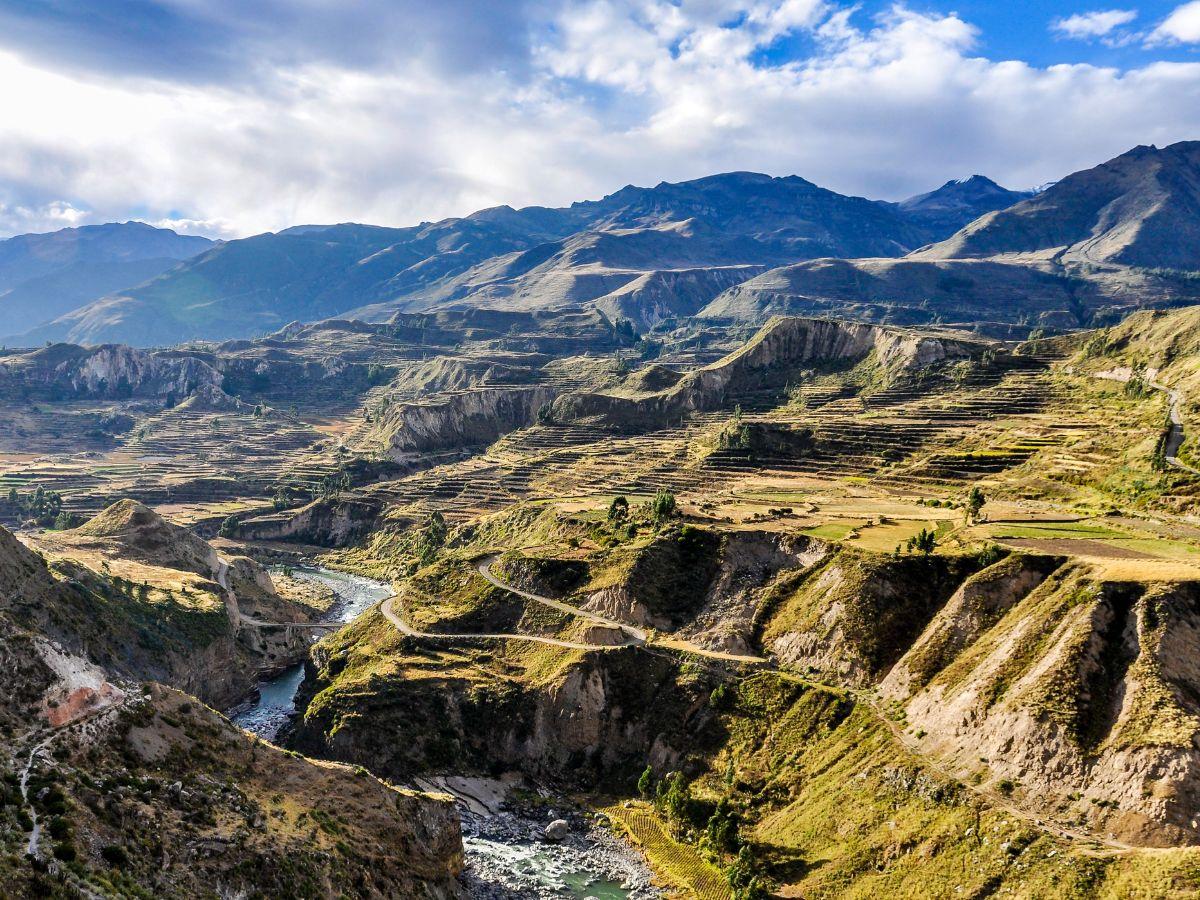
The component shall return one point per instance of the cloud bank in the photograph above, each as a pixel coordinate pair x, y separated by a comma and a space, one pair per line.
233, 118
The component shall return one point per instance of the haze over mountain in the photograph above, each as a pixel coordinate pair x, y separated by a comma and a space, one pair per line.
45, 275
643, 252
1140, 209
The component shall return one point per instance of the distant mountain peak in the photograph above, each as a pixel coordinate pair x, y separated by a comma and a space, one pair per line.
959, 201
1141, 208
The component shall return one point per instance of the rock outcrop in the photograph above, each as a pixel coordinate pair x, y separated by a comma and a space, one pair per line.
324, 523
470, 418
108, 371
776, 355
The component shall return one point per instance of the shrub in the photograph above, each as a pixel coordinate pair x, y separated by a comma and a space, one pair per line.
662, 507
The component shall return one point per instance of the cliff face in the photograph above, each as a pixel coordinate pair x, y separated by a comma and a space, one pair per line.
113, 371
780, 350
595, 718
1084, 695
470, 418
325, 523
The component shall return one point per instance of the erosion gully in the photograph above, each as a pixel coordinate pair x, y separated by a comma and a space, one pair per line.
506, 852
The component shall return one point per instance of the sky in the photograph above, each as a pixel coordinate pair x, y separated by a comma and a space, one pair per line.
233, 117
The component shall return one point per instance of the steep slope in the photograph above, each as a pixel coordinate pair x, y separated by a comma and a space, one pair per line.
958, 203
1140, 209
149, 599
43, 276
113, 786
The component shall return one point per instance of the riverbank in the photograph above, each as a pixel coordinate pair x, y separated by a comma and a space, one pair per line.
528, 843
272, 707
504, 824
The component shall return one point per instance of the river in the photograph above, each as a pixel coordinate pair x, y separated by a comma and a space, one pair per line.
276, 702
505, 854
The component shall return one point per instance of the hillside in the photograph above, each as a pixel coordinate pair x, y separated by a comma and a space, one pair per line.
43, 276
500, 258
1088, 250
747, 560
114, 788
778, 354
1140, 209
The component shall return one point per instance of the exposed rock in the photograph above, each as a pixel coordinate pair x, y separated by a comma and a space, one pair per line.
325, 523
557, 830
113, 371
470, 418
773, 357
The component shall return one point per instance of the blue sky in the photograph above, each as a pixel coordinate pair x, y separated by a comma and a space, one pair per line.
229, 117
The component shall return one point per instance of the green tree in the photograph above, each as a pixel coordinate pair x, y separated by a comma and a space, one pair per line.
618, 510
975, 502
744, 877
673, 797
433, 535
721, 832
662, 507
923, 542
645, 784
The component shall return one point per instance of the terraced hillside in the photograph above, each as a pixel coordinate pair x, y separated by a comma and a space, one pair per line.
837, 609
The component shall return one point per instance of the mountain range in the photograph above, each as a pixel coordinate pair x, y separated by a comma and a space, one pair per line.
1083, 252
43, 276
739, 245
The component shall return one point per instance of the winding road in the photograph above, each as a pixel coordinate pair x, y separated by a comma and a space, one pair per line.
633, 636
1175, 418
636, 635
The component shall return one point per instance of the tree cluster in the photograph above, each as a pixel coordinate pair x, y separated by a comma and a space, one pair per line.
41, 507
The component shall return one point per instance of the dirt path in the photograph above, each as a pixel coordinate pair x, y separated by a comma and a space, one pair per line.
1175, 418
238, 618
637, 635
35, 835
32, 848
388, 608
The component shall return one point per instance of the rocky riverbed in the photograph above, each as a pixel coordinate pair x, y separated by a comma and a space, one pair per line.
515, 852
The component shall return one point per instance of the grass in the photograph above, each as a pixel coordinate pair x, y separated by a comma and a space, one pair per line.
827, 784
885, 538
676, 862
835, 531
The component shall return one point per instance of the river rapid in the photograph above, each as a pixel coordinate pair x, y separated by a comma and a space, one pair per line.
506, 851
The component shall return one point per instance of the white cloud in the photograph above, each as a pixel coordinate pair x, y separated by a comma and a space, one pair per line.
1182, 26
17, 218
613, 92
1095, 24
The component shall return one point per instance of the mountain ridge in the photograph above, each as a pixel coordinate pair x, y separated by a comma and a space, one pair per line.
43, 276
534, 257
